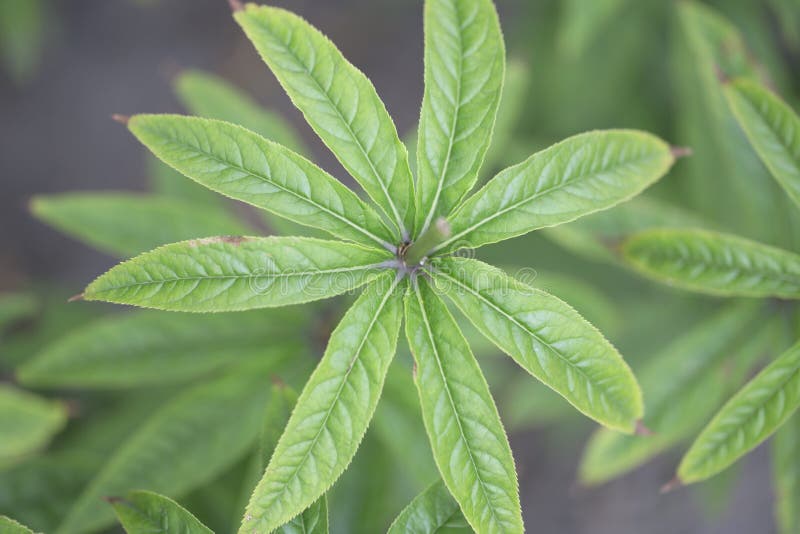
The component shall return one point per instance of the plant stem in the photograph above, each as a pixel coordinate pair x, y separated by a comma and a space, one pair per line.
433, 236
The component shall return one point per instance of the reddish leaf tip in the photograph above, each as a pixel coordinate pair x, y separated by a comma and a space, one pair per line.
122, 119
680, 151
720, 74
641, 430
277, 381
73, 298
673, 484
236, 5
110, 499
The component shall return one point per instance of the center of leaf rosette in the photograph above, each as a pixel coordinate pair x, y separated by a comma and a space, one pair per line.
412, 256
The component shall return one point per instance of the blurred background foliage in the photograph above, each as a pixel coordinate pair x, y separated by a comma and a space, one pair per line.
81, 382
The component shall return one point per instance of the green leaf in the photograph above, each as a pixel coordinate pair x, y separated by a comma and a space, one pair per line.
583, 22
9, 526
339, 103
145, 512
22, 37
747, 419
464, 70
27, 423
434, 511
231, 274
547, 338
210, 96
580, 175
185, 444
714, 263
333, 411
166, 181
786, 476
16, 306
245, 166
144, 348
126, 224
468, 441
683, 384
772, 128
514, 100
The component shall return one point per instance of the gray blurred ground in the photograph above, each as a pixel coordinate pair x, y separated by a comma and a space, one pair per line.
116, 56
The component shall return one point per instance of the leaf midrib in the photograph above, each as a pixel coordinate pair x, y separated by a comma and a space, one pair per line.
531, 198
424, 313
566, 360
345, 378
379, 180
214, 157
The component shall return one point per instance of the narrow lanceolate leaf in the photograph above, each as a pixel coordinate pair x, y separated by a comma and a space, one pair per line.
580, 175
210, 96
432, 511
719, 264
339, 103
468, 441
27, 423
145, 512
243, 165
683, 385
747, 419
333, 411
233, 273
786, 476
144, 348
314, 519
547, 338
183, 445
126, 224
464, 68
9, 526
772, 128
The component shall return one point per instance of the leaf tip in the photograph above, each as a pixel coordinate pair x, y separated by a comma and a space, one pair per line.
74, 298
641, 430
122, 119
721, 76
111, 499
680, 151
236, 5
673, 484
277, 381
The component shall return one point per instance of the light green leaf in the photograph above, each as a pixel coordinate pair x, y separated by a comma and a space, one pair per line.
245, 166
747, 419
464, 70
185, 444
772, 128
145, 512
580, 175
126, 224
714, 263
434, 511
468, 441
27, 423
683, 384
333, 411
16, 306
144, 348
231, 274
339, 103
9, 526
786, 476
210, 96
547, 338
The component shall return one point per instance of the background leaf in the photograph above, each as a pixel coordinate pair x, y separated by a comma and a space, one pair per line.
786, 475
747, 419
339, 103
144, 512
714, 263
126, 224
583, 174
27, 423
432, 511
464, 71
468, 441
231, 274
333, 411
